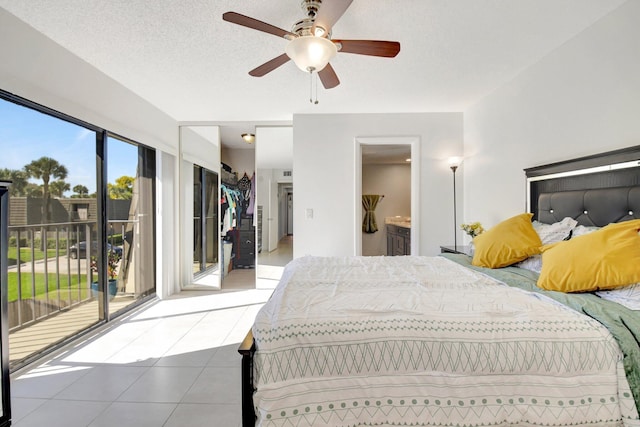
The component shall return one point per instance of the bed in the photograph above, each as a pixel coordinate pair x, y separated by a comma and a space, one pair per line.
438, 341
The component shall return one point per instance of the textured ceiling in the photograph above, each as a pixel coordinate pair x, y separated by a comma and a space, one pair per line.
182, 57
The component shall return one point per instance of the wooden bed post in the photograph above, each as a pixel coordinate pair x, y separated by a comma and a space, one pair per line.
247, 349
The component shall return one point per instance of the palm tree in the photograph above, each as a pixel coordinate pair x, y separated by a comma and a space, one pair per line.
80, 190
57, 188
44, 168
33, 190
18, 179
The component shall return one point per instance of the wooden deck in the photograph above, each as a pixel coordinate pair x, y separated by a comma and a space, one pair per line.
34, 338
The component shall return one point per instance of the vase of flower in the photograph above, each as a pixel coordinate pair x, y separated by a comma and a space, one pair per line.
473, 229
113, 261
113, 288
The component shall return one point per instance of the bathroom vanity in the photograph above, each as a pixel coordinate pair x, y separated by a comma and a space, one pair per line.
398, 236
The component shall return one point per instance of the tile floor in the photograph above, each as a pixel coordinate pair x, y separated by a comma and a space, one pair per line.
39, 335
271, 264
171, 363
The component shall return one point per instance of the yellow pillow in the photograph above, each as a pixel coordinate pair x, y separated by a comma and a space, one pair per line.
604, 259
511, 241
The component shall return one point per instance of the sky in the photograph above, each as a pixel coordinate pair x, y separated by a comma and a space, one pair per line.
27, 135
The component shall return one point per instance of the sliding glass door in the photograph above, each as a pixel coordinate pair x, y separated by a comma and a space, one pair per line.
53, 227
131, 171
205, 220
81, 235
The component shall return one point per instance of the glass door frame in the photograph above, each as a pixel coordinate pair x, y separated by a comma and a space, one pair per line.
5, 408
205, 200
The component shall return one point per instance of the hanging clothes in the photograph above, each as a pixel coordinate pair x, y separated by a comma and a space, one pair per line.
231, 208
369, 203
252, 195
244, 185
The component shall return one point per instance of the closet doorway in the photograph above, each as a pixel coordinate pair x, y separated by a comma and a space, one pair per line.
387, 174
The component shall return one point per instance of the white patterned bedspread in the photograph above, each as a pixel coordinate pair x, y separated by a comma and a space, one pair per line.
423, 341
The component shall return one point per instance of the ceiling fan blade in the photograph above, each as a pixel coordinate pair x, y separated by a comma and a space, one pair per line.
328, 77
383, 48
253, 23
269, 66
329, 13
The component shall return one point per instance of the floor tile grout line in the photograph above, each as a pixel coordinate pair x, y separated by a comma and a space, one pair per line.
193, 325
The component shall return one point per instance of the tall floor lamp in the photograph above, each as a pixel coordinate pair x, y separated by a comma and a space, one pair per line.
454, 162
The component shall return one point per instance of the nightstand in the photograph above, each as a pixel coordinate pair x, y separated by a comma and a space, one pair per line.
464, 250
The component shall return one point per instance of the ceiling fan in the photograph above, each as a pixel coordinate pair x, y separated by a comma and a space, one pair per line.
310, 44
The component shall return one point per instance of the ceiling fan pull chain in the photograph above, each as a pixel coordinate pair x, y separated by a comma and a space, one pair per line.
311, 69
311, 86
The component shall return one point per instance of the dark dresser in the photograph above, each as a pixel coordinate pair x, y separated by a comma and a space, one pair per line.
245, 250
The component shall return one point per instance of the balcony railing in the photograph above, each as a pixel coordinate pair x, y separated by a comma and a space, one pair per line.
45, 279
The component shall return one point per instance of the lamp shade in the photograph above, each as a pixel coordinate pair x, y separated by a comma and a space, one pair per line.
311, 53
454, 162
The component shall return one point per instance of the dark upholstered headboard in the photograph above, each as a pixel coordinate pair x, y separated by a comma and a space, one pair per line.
594, 190
590, 207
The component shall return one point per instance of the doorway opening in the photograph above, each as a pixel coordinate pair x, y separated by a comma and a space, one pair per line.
387, 183
275, 248
274, 224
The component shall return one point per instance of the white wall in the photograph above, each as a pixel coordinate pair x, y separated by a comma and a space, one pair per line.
241, 160
324, 163
200, 145
36, 68
581, 99
394, 182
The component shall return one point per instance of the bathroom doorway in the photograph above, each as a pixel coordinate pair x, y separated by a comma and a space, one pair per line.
387, 174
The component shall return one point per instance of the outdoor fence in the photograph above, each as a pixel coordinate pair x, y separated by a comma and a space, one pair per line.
49, 271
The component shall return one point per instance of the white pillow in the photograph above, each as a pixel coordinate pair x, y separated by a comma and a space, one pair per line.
581, 230
549, 233
556, 232
533, 263
629, 296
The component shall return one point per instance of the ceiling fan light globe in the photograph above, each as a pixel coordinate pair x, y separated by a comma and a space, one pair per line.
310, 52
319, 31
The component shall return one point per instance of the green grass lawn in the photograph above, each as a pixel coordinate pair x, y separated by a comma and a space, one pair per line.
25, 255
65, 285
